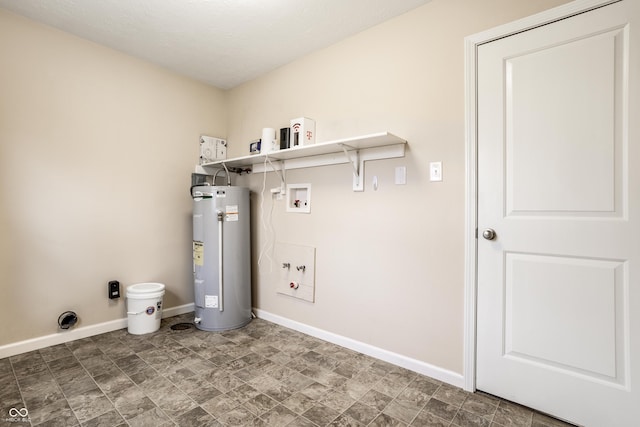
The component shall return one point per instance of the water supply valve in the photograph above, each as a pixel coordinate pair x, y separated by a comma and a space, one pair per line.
294, 285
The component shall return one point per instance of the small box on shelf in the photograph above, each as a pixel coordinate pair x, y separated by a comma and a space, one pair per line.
303, 132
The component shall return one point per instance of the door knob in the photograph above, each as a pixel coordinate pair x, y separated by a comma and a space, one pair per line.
489, 234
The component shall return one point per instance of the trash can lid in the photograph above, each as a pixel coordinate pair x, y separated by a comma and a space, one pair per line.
145, 288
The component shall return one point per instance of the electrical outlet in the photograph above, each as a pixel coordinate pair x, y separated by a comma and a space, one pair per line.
114, 289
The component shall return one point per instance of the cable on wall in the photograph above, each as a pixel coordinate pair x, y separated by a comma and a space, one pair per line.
265, 246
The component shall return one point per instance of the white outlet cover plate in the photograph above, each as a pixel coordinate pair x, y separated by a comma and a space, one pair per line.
401, 175
435, 171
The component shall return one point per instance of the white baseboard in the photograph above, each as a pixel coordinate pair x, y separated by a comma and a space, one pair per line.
79, 333
177, 310
423, 368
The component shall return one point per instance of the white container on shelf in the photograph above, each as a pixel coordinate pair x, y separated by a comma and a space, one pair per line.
268, 142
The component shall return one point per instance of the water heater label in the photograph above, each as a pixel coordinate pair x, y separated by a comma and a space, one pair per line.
211, 301
198, 253
232, 213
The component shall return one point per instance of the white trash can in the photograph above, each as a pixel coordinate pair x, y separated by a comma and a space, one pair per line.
144, 307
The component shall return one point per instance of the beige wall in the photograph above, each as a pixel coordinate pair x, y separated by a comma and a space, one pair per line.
389, 263
96, 151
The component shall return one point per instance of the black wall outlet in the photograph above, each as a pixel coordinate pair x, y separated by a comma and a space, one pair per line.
114, 289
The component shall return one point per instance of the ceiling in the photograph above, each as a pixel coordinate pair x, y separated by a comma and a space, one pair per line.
221, 42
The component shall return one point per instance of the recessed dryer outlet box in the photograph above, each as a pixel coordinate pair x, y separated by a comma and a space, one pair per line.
299, 198
297, 265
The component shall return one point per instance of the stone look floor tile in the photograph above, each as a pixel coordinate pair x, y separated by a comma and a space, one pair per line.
426, 419
90, 405
108, 419
262, 375
542, 420
279, 416
355, 389
299, 403
260, 404
55, 352
29, 366
464, 419
197, 417
113, 385
238, 416
337, 400
243, 393
95, 362
413, 397
402, 410
58, 411
64, 365
198, 389
389, 387
384, 420
376, 399
480, 405
41, 394
152, 417
345, 421
441, 409
361, 413
131, 364
450, 394
320, 414
512, 415
315, 390
175, 403
219, 405
86, 351
132, 403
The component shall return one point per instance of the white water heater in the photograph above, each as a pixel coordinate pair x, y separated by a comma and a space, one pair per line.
221, 257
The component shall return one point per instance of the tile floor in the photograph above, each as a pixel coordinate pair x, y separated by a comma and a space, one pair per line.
259, 375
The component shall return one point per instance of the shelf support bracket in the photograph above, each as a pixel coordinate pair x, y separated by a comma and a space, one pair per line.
358, 168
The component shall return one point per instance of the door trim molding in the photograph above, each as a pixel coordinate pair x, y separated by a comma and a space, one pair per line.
471, 44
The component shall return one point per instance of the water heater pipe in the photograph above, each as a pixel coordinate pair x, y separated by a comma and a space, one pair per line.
226, 171
220, 284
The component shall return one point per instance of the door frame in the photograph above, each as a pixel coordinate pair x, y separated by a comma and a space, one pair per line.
471, 44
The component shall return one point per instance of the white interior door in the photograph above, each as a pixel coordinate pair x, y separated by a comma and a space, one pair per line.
558, 302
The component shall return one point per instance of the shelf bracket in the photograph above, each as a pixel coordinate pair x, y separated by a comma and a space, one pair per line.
358, 168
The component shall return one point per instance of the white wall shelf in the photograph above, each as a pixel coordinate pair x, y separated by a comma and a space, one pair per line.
354, 150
